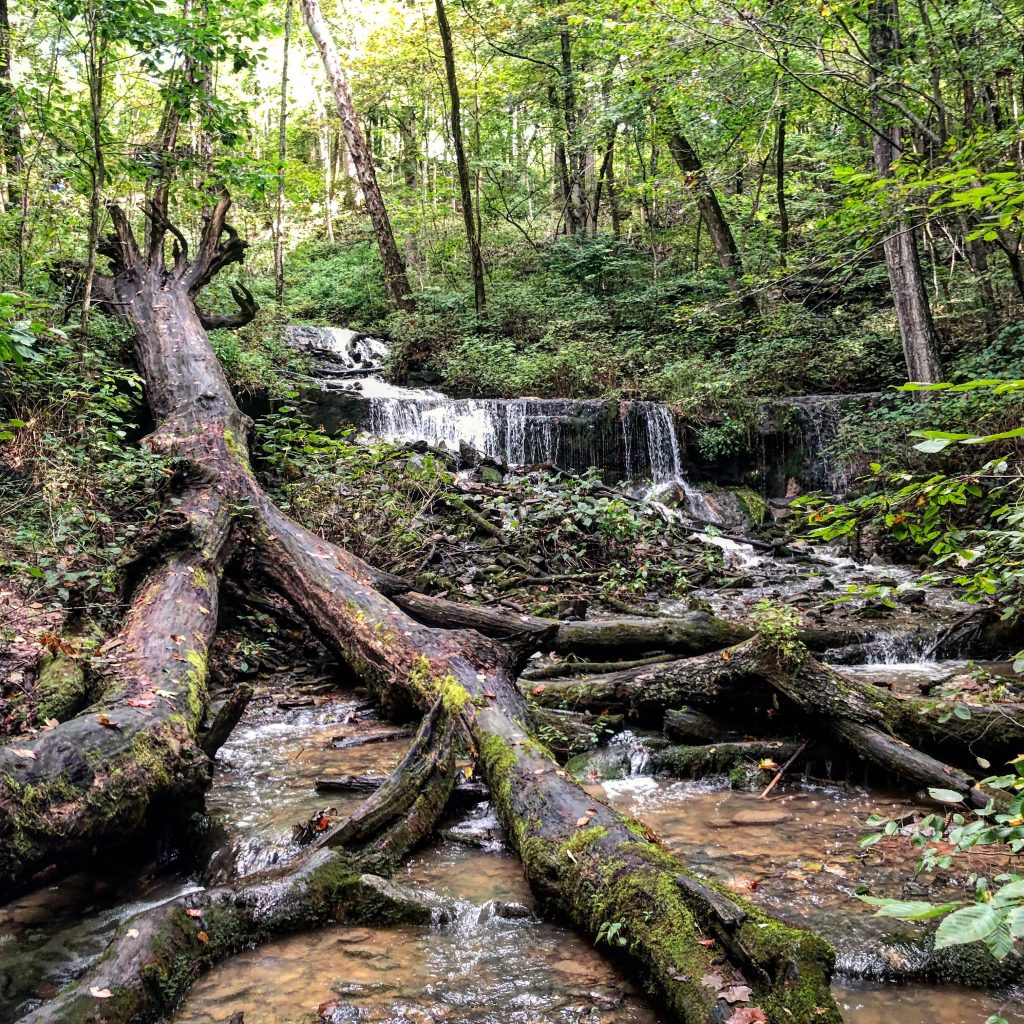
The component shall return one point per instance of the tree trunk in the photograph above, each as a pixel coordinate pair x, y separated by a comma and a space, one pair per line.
395, 279
780, 185
584, 859
902, 259
10, 126
575, 169
462, 165
713, 216
282, 153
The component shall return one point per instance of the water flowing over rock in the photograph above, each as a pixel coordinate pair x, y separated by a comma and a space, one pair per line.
626, 440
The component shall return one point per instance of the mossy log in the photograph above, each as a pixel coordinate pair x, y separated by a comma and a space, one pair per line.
694, 632
154, 957
587, 863
738, 760
591, 865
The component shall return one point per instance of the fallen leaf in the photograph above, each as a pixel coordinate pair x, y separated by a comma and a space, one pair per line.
747, 1015
741, 884
766, 764
715, 981
103, 720
737, 994
538, 689
488, 693
24, 753
135, 702
726, 655
177, 638
50, 723
100, 993
132, 933
194, 912
706, 943
202, 937
583, 822
468, 771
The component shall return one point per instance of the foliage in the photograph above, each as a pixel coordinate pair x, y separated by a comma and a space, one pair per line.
996, 917
76, 492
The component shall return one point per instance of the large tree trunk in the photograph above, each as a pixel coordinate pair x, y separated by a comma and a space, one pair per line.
588, 863
394, 265
902, 259
713, 216
282, 153
462, 165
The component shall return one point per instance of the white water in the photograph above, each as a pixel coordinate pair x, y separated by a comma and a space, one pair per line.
642, 440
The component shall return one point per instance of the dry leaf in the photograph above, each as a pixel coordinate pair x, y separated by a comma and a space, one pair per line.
202, 937
715, 981
766, 764
706, 943
488, 693
24, 753
194, 912
132, 933
50, 723
177, 638
737, 994
136, 702
538, 689
583, 822
747, 1015
103, 720
100, 993
725, 655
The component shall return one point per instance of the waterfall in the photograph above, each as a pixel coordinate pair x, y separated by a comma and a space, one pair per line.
633, 440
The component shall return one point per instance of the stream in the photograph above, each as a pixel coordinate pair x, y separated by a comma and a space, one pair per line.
496, 962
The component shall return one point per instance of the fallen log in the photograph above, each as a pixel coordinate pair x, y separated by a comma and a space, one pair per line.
586, 862
589, 864
739, 760
154, 957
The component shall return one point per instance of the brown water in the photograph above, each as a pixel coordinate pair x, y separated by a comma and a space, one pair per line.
484, 968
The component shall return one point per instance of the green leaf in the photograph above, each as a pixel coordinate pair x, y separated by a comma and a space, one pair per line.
970, 924
933, 445
946, 796
907, 910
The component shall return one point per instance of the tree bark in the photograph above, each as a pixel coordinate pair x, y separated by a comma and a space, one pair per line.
282, 153
10, 126
780, 185
461, 163
713, 216
395, 278
902, 259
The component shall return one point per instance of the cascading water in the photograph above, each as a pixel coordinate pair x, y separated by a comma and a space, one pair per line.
634, 440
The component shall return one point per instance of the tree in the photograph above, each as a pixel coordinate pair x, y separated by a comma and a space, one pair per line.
462, 165
394, 265
902, 259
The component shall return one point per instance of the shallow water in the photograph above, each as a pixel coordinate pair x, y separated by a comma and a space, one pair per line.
803, 865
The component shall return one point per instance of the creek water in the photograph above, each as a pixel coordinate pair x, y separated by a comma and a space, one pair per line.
798, 855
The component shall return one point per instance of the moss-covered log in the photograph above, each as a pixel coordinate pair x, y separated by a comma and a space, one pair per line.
154, 957
588, 863
740, 760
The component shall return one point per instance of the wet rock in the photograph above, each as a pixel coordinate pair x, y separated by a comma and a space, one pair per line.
490, 475
338, 1012
757, 817
911, 597
504, 911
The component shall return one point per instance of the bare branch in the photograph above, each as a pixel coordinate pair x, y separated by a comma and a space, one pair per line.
247, 310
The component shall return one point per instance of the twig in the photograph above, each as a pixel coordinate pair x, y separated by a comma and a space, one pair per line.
782, 771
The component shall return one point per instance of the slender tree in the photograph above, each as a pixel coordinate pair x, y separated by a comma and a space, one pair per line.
713, 216
462, 164
902, 259
395, 278
282, 153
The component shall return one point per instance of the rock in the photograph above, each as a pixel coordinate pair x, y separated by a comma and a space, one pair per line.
490, 475
912, 596
758, 817
505, 911
338, 1012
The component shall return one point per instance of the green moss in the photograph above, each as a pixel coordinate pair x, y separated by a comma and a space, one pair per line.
201, 578
61, 688
752, 503
236, 448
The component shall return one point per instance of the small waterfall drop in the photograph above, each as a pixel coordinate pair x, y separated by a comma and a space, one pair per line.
636, 441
